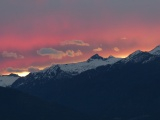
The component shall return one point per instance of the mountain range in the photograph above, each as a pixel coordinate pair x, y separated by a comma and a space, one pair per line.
65, 71
96, 89
107, 88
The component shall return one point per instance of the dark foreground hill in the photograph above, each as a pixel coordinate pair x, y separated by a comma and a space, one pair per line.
15, 105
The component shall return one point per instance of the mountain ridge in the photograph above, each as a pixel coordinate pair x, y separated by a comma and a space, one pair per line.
61, 71
72, 69
155, 51
126, 89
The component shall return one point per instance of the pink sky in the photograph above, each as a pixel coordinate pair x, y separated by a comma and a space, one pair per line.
36, 34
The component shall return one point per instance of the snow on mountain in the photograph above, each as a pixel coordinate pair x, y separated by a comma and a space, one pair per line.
134, 53
77, 68
64, 71
138, 57
95, 57
6, 81
155, 51
131, 56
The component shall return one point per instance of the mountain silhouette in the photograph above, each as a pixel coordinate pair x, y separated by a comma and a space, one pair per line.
127, 89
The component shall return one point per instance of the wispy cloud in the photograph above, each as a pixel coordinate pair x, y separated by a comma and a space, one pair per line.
33, 69
71, 53
75, 42
116, 49
7, 54
98, 49
56, 54
14, 70
21, 70
53, 53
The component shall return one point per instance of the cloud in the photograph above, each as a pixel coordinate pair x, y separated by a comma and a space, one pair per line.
33, 69
71, 53
14, 70
116, 49
75, 42
21, 70
53, 53
98, 49
11, 55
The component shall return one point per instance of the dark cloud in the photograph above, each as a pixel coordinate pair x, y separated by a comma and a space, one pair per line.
53, 53
33, 69
21, 70
14, 70
6, 54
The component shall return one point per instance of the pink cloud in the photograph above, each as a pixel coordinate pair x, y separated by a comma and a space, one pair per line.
75, 42
97, 49
71, 53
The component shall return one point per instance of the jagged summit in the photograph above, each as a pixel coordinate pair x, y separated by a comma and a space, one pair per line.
76, 68
64, 71
111, 56
94, 57
155, 51
135, 53
139, 57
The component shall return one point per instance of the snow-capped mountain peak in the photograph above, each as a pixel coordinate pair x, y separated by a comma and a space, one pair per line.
132, 57
155, 51
76, 68
60, 70
138, 57
94, 57
50, 70
65, 71
135, 53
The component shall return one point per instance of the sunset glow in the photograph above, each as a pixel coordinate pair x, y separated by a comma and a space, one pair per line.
38, 33
22, 74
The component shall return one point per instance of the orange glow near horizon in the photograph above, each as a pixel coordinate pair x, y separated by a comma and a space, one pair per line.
22, 74
118, 55
116, 28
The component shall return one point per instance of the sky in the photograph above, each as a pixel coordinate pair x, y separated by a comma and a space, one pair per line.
35, 34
